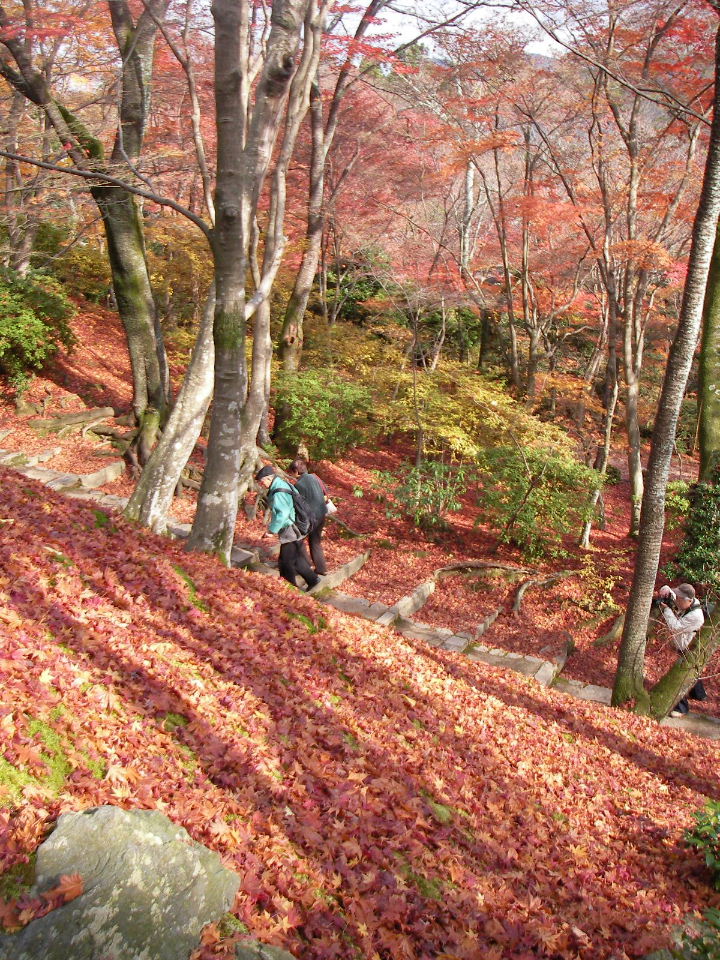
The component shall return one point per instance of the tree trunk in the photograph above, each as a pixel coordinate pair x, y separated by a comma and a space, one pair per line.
632, 426
256, 405
151, 500
134, 298
20, 201
533, 362
601, 466
629, 682
246, 135
438, 345
291, 338
709, 393
681, 677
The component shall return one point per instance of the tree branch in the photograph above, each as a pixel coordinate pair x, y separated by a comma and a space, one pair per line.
101, 177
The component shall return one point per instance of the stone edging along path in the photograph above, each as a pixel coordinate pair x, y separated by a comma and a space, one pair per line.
546, 672
396, 616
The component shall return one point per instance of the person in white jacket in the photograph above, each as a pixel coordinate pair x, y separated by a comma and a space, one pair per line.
683, 626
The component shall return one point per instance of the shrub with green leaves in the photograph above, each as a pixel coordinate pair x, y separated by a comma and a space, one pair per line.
705, 835
534, 496
700, 940
34, 314
425, 494
698, 559
319, 409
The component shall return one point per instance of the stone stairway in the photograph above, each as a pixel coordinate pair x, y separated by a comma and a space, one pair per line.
546, 672
27, 465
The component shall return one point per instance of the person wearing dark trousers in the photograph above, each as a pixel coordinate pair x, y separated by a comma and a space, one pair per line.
684, 617
313, 490
293, 561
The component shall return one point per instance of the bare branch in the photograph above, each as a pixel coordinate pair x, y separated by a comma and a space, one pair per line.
100, 177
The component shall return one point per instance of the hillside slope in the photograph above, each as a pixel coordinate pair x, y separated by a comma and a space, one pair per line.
378, 798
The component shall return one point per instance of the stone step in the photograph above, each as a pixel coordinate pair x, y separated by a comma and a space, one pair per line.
356, 606
409, 604
71, 481
544, 671
179, 530
583, 691
435, 636
113, 471
265, 569
15, 458
698, 723
335, 577
240, 557
52, 478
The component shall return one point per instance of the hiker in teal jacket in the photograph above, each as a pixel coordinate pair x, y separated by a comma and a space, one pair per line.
293, 559
315, 492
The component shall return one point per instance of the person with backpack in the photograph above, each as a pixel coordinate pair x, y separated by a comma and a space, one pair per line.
684, 617
290, 520
315, 493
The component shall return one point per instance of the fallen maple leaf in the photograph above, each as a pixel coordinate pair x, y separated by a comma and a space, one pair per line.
71, 885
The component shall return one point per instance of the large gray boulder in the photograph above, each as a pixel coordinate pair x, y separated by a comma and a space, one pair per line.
148, 890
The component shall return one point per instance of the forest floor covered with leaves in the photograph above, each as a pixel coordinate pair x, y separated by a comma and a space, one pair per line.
379, 799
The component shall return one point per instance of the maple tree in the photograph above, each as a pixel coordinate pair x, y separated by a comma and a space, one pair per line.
639, 186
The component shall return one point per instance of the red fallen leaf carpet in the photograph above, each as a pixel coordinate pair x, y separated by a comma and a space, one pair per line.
379, 799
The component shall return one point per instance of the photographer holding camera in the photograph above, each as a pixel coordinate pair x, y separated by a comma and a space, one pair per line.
684, 616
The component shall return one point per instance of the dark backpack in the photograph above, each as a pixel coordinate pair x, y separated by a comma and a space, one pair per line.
305, 518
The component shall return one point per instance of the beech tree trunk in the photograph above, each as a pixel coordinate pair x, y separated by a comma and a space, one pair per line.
152, 497
709, 393
632, 426
629, 678
291, 338
248, 121
134, 299
214, 523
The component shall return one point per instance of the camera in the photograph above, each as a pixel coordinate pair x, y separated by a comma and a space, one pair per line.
658, 601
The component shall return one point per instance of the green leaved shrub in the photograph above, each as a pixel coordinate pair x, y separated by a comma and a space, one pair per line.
425, 494
698, 559
34, 315
534, 496
321, 410
705, 835
700, 939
